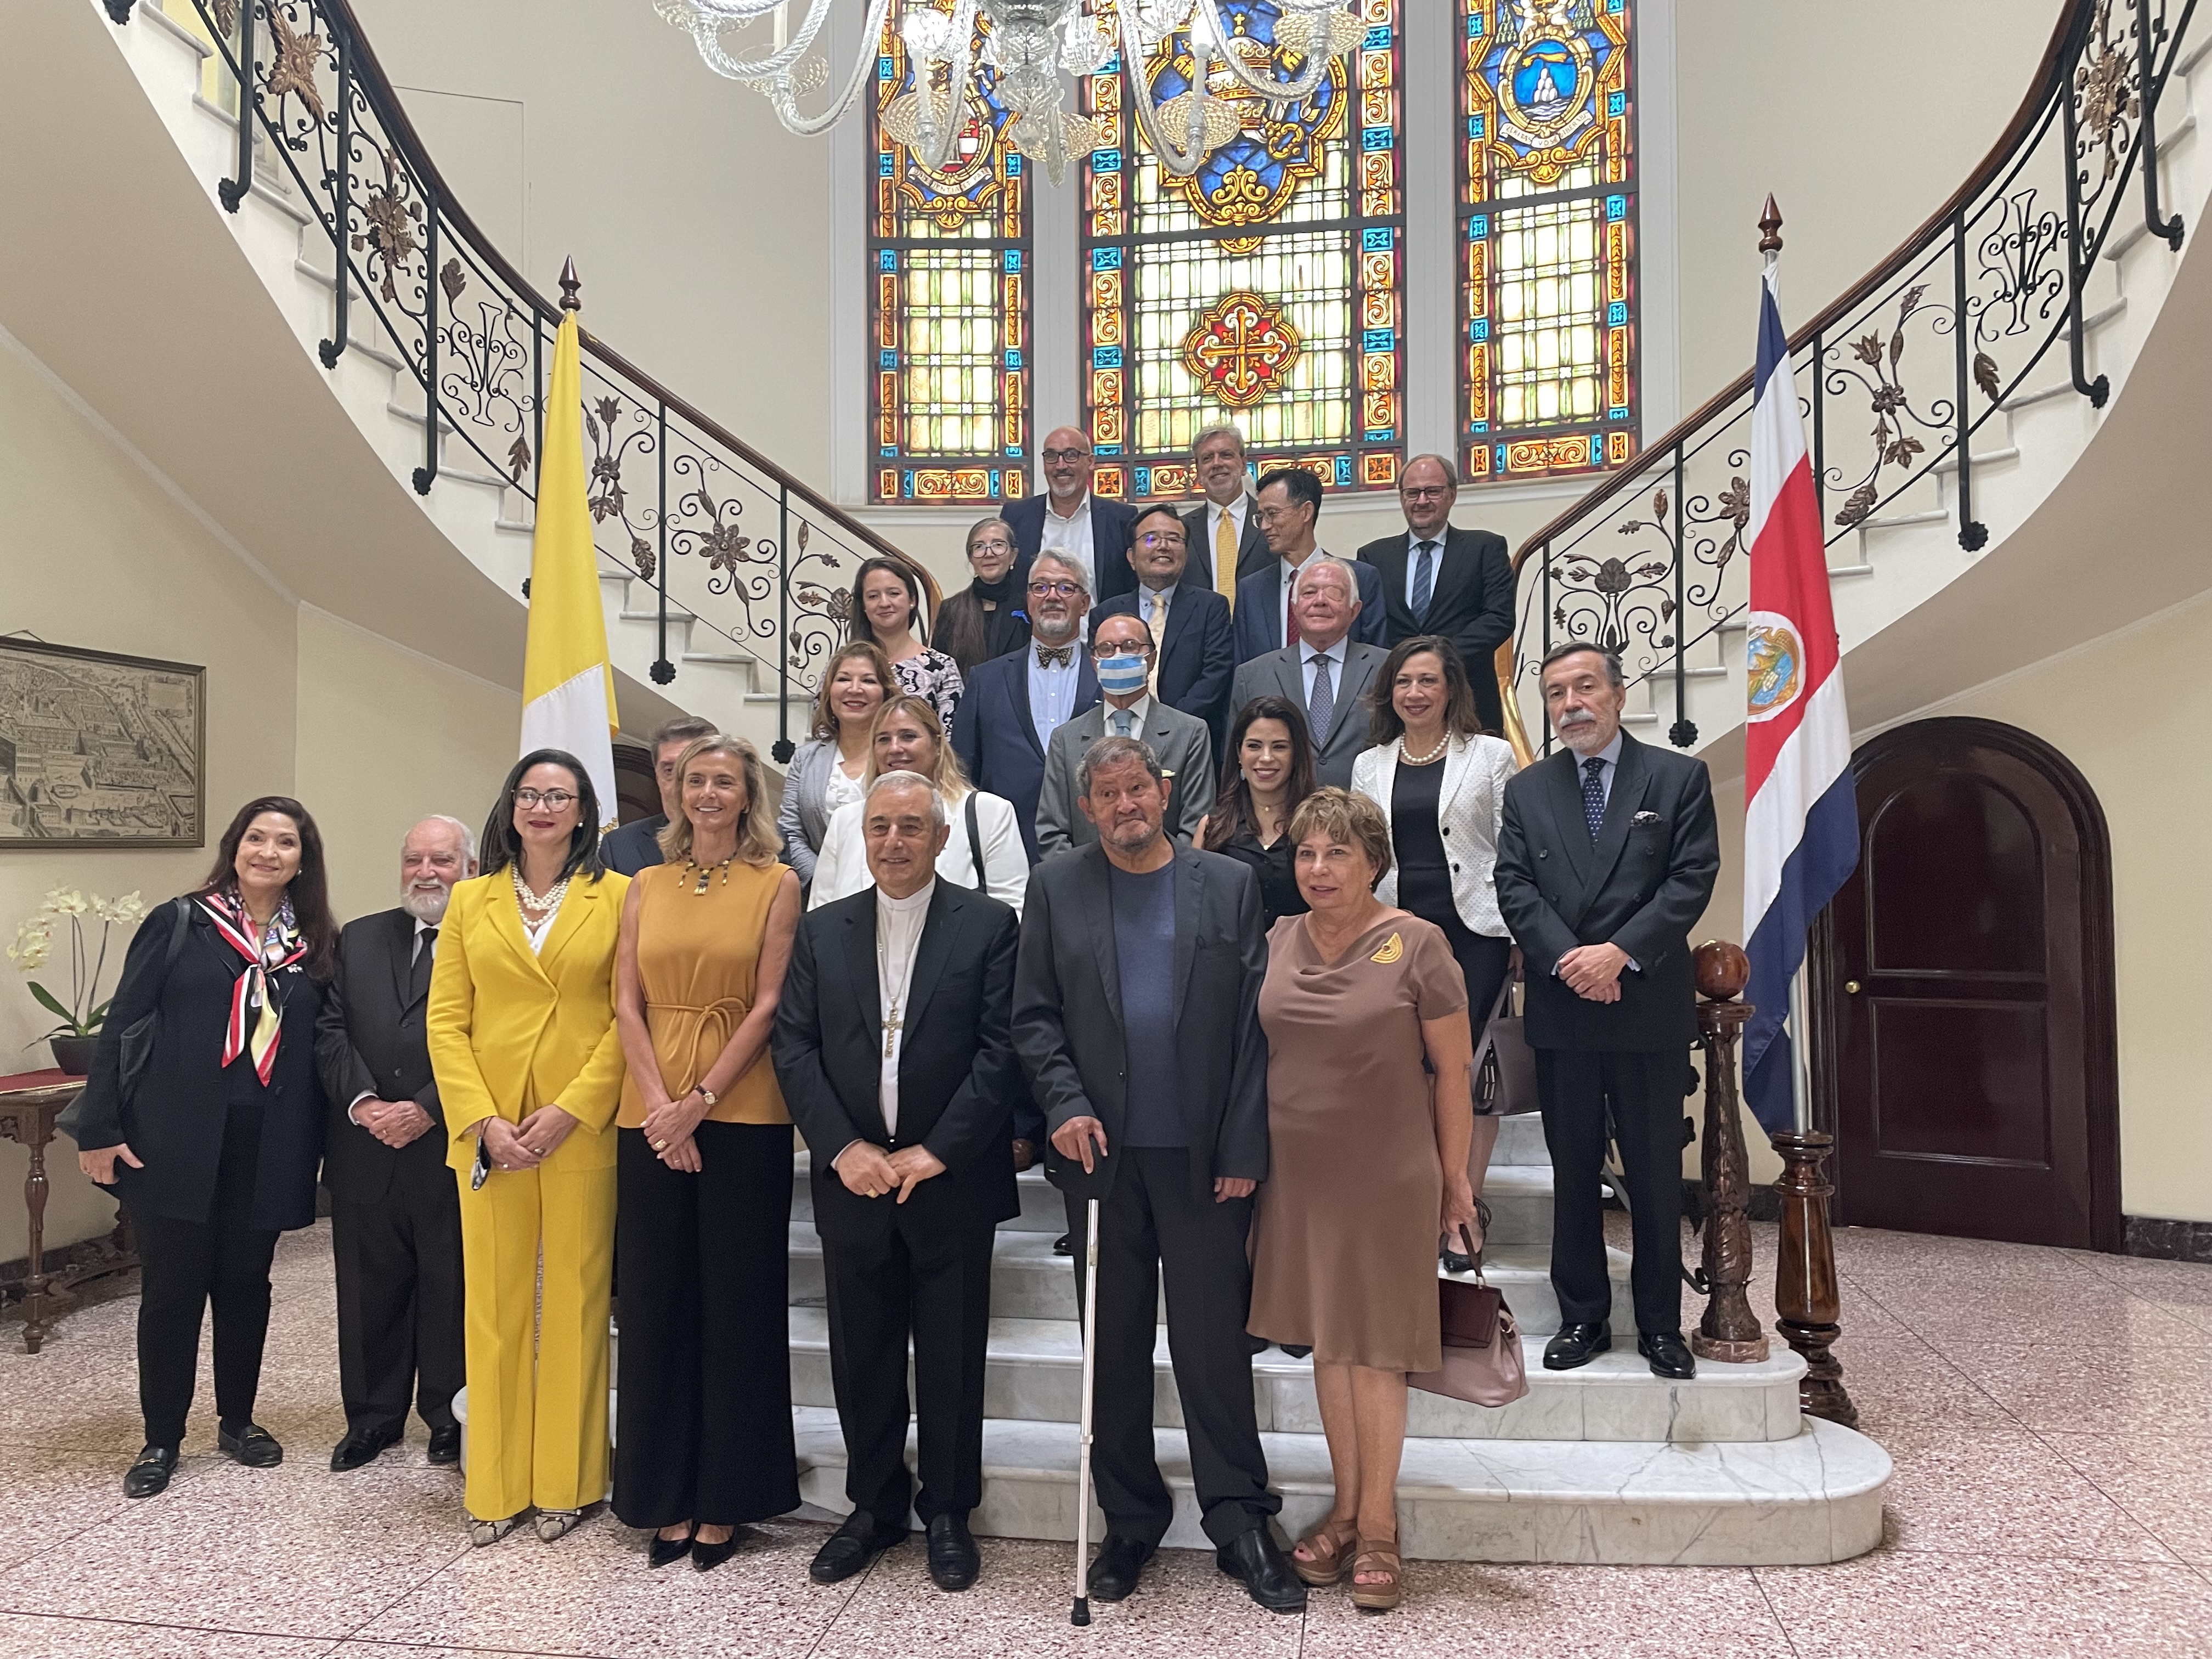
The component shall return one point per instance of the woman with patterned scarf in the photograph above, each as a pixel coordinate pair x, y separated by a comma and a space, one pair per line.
205, 1115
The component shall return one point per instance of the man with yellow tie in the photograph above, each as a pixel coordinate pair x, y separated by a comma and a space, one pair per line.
1193, 643
1223, 535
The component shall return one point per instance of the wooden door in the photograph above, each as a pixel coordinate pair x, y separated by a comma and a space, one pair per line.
1965, 974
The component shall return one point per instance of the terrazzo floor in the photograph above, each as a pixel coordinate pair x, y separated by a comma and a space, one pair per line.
2048, 1412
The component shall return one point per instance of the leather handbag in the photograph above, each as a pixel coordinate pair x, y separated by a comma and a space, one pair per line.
1482, 1360
1505, 1064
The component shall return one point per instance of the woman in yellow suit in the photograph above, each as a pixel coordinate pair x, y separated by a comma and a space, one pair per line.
530, 1071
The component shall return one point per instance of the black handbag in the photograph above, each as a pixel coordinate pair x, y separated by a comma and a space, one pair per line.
138, 1039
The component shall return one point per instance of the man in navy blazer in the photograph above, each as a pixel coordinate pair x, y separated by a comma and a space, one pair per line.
1069, 518
1196, 657
1289, 507
996, 730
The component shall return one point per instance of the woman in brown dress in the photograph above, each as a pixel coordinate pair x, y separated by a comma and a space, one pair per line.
1369, 1113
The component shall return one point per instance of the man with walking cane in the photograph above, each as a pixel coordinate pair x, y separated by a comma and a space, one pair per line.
1136, 1017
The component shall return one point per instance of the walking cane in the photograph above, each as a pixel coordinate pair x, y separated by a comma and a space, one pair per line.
1081, 1614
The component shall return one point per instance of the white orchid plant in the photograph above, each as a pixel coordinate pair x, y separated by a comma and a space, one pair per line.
81, 1015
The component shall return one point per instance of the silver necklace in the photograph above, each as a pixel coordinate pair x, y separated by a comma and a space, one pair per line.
1412, 759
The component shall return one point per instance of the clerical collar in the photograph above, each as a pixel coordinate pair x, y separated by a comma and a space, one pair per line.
919, 900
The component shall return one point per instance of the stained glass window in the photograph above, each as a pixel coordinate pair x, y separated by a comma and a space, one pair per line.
1547, 222
1265, 288
949, 310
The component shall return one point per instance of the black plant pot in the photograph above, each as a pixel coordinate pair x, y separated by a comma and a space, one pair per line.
74, 1054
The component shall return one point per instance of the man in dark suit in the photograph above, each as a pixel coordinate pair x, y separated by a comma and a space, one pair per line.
1226, 542
395, 1210
1014, 703
1289, 507
1069, 518
1605, 860
1194, 647
1136, 1016
1439, 580
636, 845
1326, 673
891, 1046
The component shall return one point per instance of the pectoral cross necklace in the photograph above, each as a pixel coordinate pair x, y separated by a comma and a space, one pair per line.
894, 998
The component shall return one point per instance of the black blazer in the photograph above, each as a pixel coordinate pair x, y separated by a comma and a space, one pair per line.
1198, 658
1253, 555
1067, 1013
994, 733
1111, 523
1643, 884
1471, 605
175, 1126
370, 1040
956, 1064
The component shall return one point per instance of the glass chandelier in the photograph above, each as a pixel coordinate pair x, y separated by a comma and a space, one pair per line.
1027, 46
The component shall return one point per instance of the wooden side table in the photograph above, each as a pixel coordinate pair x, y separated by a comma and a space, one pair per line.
29, 1103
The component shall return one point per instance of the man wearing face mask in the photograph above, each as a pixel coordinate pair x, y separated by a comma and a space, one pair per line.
396, 1213
1122, 652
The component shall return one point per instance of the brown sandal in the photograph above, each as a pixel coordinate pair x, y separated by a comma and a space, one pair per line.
1332, 1553
1379, 1557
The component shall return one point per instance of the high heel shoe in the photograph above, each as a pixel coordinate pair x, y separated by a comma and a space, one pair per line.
1456, 1263
666, 1550
707, 1557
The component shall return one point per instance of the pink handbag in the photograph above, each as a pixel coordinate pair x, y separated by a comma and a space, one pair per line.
1482, 1362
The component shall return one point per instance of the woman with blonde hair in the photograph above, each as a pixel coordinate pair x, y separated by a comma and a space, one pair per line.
984, 847
826, 771
704, 1437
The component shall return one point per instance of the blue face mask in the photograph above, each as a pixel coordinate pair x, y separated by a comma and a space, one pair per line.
1121, 676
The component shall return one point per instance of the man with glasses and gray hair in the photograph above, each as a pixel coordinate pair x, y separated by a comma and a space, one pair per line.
395, 1210
1226, 545
1068, 520
1014, 703
1437, 579
1121, 652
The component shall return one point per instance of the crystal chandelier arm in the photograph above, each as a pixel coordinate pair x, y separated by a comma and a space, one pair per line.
772, 74
1208, 14
934, 143
1181, 159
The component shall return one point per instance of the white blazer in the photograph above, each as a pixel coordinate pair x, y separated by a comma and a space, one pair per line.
1470, 808
841, 868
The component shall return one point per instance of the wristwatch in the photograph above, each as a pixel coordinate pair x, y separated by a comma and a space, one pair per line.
706, 1094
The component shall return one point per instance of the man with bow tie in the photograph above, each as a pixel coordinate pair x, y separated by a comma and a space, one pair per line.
396, 1213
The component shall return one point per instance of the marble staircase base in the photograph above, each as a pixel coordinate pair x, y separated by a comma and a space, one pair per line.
1814, 1498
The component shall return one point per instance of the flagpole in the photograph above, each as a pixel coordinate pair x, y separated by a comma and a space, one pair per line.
1800, 1056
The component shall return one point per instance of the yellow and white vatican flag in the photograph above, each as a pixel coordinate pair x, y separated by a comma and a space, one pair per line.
568, 684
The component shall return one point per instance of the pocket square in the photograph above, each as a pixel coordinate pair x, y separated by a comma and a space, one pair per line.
1645, 817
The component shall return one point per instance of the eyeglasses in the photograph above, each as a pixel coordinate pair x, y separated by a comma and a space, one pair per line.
1106, 648
1423, 492
1054, 456
1156, 539
553, 801
1052, 590
994, 546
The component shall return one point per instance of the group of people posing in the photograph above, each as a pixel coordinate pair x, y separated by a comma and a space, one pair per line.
1009, 912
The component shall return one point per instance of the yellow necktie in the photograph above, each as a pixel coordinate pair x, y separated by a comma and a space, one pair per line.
1157, 622
1225, 558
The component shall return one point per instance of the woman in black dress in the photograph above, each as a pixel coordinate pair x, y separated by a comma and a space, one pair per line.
985, 618
1440, 780
1266, 771
216, 1143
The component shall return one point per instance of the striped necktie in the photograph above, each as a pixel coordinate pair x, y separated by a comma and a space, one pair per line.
1424, 577
1225, 558
1157, 622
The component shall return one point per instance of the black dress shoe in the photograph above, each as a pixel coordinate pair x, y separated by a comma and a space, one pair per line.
361, 1446
151, 1473
1297, 1350
663, 1551
446, 1443
852, 1547
1064, 1245
1574, 1345
1253, 1560
954, 1560
250, 1444
1668, 1354
707, 1557
1114, 1574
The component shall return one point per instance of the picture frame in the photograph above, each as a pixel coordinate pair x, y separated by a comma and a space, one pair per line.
100, 750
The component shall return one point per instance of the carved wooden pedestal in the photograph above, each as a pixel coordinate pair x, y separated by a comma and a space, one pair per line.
1730, 1330
1806, 1291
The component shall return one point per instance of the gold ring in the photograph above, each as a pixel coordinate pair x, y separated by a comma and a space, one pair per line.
659, 1145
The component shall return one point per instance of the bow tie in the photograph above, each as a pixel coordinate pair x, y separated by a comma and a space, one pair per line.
1054, 656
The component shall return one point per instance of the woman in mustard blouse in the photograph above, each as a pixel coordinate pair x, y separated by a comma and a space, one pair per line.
704, 1435
522, 1041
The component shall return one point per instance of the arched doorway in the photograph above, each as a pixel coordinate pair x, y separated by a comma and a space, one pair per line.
1962, 994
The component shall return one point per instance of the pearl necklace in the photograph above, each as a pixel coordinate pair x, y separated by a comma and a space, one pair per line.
1412, 759
529, 900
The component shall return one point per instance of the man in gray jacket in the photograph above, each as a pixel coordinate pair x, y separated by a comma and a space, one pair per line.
1122, 653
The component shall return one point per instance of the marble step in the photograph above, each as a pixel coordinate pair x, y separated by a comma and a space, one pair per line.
1034, 1373
1814, 1498
1028, 1281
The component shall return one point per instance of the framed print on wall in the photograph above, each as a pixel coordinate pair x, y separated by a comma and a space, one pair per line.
98, 750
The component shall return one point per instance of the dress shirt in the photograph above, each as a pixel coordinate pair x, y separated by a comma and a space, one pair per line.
1052, 691
898, 941
1413, 564
1290, 581
1336, 653
414, 954
1071, 537
1138, 712
1235, 512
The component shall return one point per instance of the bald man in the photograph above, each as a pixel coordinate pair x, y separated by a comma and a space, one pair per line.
1071, 521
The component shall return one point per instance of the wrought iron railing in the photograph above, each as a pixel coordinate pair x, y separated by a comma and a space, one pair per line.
719, 532
1895, 377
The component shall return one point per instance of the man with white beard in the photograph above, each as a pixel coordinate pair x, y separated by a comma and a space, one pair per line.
396, 1215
